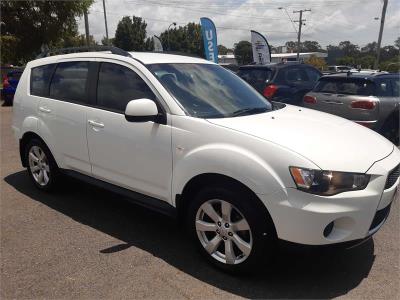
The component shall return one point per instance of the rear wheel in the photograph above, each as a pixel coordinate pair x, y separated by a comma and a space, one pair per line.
42, 167
230, 229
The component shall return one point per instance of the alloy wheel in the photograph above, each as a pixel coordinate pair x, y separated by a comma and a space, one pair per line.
223, 231
39, 165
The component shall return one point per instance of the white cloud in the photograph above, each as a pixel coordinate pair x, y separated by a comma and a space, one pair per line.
329, 22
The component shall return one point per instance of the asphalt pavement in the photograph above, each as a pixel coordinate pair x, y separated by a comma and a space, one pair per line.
84, 242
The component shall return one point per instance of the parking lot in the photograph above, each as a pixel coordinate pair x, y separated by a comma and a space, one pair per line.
88, 243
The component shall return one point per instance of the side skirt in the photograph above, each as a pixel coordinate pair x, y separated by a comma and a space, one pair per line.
134, 197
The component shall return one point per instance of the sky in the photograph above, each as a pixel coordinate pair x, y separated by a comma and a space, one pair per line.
329, 22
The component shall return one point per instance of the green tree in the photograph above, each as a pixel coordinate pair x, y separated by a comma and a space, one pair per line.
349, 49
222, 50
186, 39
131, 34
366, 62
397, 42
310, 46
37, 23
243, 52
346, 60
149, 44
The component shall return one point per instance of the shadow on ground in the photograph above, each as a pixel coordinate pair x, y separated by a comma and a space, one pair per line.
294, 274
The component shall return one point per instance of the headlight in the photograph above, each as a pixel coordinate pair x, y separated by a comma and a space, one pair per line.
328, 183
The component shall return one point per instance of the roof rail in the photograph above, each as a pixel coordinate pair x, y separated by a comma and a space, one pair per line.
112, 49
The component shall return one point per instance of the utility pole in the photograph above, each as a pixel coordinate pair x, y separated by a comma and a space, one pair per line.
86, 28
378, 51
301, 20
105, 21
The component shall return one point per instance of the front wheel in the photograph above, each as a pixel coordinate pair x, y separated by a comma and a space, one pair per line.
230, 229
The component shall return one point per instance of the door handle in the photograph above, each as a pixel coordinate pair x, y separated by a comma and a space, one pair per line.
96, 124
44, 109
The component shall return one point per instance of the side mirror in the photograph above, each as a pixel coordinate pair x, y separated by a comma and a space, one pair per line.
141, 110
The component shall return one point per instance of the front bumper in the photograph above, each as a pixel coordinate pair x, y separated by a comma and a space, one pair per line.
304, 218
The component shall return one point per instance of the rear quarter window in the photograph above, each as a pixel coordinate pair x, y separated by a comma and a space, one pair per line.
40, 79
254, 76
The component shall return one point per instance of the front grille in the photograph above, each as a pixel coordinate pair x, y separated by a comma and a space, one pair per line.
392, 177
379, 217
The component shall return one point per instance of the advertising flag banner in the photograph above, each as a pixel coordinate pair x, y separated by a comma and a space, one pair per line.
261, 51
210, 39
157, 44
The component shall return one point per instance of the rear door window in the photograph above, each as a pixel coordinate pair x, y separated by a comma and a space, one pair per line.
69, 82
40, 80
396, 87
383, 88
313, 75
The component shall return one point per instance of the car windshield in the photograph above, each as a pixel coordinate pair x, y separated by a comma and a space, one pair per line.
209, 91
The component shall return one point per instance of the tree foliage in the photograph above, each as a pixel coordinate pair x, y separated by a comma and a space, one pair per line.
243, 52
186, 39
37, 23
131, 34
222, 50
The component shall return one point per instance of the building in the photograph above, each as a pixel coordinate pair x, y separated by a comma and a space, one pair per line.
279, 57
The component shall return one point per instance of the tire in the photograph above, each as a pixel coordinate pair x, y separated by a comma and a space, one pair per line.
42, 168
214, 233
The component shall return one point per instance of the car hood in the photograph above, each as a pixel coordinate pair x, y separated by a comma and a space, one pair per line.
330, 142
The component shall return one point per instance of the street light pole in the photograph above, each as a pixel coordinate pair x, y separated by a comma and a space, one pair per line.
105, 21
174, 24
378, 51
85, 14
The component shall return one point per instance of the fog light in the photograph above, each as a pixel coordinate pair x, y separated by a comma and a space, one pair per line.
328, 229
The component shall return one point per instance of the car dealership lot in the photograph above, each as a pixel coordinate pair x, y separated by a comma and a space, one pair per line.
84, 242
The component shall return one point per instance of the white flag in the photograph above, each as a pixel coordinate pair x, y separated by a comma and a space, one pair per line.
261, 53
157, 44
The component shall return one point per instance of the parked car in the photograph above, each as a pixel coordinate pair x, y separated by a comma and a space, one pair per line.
10, 83
371, 100
339, 69
282, 82
191, 139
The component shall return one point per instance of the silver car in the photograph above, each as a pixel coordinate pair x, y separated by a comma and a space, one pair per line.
371, 100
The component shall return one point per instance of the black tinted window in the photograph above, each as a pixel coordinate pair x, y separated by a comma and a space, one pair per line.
118, 85
254, 76
40, 77
69, 82
313, 75
355, 87
296, 75
383, 88
326, 86
396, 87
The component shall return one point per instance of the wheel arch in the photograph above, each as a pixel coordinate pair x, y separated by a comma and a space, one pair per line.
200, 181
26, 137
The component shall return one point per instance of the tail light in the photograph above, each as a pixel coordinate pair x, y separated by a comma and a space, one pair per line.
363, 104
309, 99
270, 91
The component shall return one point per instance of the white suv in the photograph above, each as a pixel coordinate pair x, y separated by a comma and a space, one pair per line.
186, 137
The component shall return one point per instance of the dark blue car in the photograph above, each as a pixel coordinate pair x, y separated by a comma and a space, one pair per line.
10, 83
281, 82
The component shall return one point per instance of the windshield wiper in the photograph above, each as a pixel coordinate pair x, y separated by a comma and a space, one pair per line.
248, 111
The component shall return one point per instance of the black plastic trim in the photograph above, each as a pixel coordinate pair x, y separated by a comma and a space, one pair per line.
132, 196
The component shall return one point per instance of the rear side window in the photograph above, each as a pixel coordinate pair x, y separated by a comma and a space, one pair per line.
383, 88
326, 86
118, 85
40, 78
296, 75
396, 87
69, 82
312, 74
254, 76
355, 87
